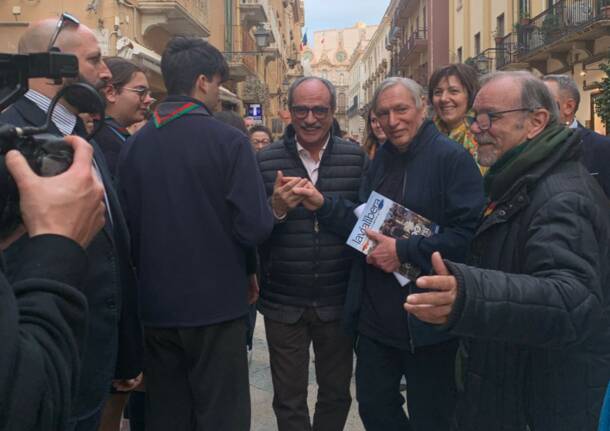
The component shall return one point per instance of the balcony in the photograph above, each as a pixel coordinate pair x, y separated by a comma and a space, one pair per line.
240, 66
261, 11
416, 44
186, 17
555, 32
252, 12
404, 10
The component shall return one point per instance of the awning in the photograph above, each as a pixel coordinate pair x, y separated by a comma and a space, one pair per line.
147, 58
228, 96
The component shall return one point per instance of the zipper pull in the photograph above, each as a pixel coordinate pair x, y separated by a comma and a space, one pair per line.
316, 225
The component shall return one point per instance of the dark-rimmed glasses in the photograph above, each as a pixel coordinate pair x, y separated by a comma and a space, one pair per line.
65, 17
143, 92
301, 112
484, 119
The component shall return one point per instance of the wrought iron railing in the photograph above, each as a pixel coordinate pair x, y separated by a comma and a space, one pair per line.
561, 19
416, 38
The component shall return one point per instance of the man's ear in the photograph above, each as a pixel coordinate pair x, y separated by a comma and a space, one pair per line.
570, 108
110, 93
202, 84
538, 120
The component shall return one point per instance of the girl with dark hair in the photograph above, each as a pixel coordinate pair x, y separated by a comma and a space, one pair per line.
451, 92
128, 101
375, 135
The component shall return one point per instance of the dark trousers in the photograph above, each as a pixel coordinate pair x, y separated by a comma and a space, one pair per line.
289, 357
136, 408
197, 378
431, 392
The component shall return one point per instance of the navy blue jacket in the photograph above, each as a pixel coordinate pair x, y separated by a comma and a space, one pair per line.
114, 339
596, 156
194, 199
444, 185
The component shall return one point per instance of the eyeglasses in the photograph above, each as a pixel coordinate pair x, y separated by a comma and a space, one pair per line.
65, 17
261, 141
484, 119
143, 92
301, 112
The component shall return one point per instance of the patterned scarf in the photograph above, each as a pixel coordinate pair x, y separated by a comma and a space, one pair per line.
462, 135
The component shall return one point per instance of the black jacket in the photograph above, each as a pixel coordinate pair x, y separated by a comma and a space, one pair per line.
194, 199
536, 311
303, 264
596, 156
443, 184
114, 342
111, 137
43, 321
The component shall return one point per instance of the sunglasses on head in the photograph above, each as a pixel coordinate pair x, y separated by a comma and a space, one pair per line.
61, 22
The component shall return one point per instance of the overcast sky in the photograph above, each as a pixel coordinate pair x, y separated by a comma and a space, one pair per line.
326, 14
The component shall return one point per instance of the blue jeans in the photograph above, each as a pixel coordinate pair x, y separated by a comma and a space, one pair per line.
431, 392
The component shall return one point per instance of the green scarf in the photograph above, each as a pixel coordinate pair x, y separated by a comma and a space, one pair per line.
520, 159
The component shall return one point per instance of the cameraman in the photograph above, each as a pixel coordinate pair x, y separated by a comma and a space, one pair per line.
43, 314
114, 342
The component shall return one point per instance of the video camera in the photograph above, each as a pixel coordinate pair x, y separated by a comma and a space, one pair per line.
47, 154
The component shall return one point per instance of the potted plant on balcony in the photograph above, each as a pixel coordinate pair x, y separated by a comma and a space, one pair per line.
551, 26
602, 101
498, 38
524, 18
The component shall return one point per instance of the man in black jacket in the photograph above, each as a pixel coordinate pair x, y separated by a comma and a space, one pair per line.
423, 170
304, 266
43, 311
114, 341
534, 311
595, 147
194, 200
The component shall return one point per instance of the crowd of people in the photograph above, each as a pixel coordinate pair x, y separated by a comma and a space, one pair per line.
134, 281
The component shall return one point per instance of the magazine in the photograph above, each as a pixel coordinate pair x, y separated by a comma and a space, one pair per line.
383, 215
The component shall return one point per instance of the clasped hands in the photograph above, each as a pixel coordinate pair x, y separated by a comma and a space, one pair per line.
289, 192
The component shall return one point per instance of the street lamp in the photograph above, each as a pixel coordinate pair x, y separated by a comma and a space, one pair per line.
262, 36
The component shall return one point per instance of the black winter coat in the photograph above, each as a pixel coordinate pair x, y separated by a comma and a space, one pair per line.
43, 325
536, 310
442, 183
303, 263
596, 156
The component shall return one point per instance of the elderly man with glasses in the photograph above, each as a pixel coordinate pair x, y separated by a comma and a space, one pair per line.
114, 339
534, 309
304, 266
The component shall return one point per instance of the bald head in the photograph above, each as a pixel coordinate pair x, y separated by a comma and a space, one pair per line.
38, 35
72, 39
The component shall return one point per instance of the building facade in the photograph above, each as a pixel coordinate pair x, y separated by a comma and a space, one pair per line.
419, 41
140, 29
329, 57
567, 37
261, 74
369, 66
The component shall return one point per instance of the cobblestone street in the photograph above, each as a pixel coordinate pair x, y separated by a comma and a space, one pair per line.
261, 388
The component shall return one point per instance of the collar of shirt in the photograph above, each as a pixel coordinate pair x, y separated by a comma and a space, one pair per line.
574, 124
305, 153
63, 119
310, 164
